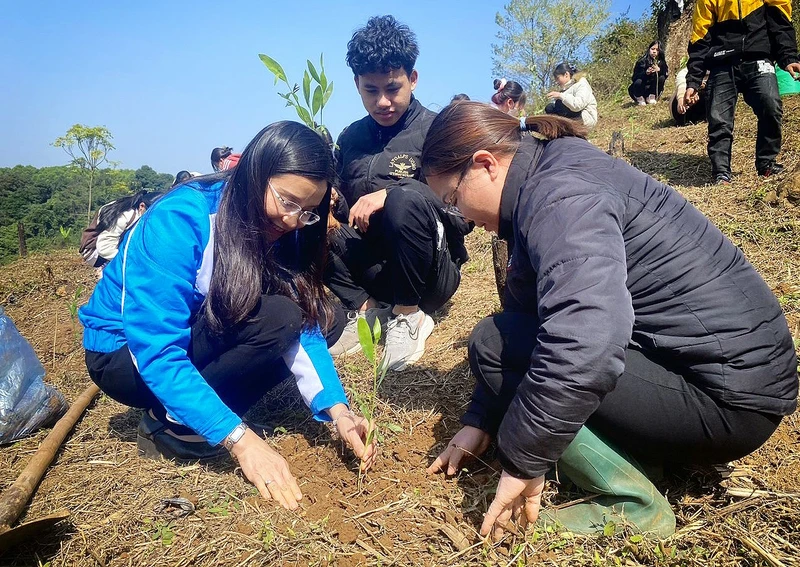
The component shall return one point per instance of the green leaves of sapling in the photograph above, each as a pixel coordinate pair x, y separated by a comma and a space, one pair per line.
274, 67
366, 340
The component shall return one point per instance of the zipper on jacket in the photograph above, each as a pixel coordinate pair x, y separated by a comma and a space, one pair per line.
368, 188
744, 26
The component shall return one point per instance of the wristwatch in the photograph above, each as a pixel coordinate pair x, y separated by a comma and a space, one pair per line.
234, 436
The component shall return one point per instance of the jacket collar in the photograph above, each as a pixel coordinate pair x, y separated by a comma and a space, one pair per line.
521, 168
386, 133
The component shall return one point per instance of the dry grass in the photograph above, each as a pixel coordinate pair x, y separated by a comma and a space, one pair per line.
747, 514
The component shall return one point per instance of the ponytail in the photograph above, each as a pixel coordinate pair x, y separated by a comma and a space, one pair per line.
505, 90
462, 129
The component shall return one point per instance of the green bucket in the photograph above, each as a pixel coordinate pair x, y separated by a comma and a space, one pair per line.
786, 84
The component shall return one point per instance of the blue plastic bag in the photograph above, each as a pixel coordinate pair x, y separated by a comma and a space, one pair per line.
26, 402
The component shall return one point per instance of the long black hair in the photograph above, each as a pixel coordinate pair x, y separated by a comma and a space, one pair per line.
109, 213
658, 60
246, 264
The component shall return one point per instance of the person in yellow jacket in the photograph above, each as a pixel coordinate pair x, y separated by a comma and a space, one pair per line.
738, 42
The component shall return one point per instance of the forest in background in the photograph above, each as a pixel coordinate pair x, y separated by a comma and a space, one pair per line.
51, 202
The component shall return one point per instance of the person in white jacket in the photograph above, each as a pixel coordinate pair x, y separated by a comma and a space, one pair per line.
575, 100
118, 216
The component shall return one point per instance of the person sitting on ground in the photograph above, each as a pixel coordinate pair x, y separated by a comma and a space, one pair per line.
218, 299
595, 363
509, 96
114, 218
223, 158
575, 100
399, 249
738, 52
649, 76
696, 111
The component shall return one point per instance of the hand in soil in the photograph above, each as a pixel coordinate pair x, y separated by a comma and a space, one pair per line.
354, 429
267, 470
469, 442
516, 498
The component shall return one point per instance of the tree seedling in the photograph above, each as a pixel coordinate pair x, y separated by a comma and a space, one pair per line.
314, 101
367, 403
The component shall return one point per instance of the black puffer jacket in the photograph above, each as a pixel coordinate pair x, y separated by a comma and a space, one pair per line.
607, 256
370, 157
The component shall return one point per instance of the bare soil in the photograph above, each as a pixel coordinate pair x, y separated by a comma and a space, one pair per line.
745, 514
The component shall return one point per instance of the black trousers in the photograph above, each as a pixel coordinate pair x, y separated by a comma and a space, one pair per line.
654, 412
240, 366
646, 87
402, 259
757, 82
559, 108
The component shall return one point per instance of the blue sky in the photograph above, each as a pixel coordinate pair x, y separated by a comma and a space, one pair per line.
172, 80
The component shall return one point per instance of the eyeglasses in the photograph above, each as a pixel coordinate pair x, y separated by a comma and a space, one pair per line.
292, 209
450, 203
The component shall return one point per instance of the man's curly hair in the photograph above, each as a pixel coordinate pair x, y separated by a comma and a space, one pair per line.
382, 45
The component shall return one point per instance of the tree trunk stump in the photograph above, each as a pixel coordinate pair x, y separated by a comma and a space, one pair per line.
500, 263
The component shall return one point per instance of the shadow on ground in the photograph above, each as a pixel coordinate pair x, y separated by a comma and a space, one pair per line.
673, 168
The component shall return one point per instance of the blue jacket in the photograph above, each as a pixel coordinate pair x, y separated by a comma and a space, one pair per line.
148, 296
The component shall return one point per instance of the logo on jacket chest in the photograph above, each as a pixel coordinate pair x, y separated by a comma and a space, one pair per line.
403, 165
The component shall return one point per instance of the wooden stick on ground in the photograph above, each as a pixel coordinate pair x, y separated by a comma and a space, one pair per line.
14, 499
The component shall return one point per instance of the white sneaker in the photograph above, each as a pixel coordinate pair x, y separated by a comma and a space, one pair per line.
640, 101
405, 339
652, 99
348, 343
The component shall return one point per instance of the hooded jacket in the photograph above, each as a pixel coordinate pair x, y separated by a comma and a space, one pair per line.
607, 258
578, 97
727, 31
371, 157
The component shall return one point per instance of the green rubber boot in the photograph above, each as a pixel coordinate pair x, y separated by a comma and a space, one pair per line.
625, 494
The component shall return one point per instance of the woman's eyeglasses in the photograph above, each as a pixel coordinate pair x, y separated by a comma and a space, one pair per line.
450, 204
292, 209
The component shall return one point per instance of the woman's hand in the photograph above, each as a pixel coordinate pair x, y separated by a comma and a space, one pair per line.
554, 94
267, 470
354, 430
468, 442
365, 207
516, 498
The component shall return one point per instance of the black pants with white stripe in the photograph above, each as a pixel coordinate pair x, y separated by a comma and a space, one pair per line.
241, 366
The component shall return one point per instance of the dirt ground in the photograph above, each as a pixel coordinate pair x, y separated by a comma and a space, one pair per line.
745, 514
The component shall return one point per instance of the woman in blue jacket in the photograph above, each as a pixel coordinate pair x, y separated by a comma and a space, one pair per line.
632, 326
215, 297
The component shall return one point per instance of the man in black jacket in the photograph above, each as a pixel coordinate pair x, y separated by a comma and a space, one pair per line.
400, 247
737, 41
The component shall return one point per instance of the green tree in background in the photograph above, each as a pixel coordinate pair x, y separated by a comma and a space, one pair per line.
88, 147
148, 178
614, 52
536, 35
